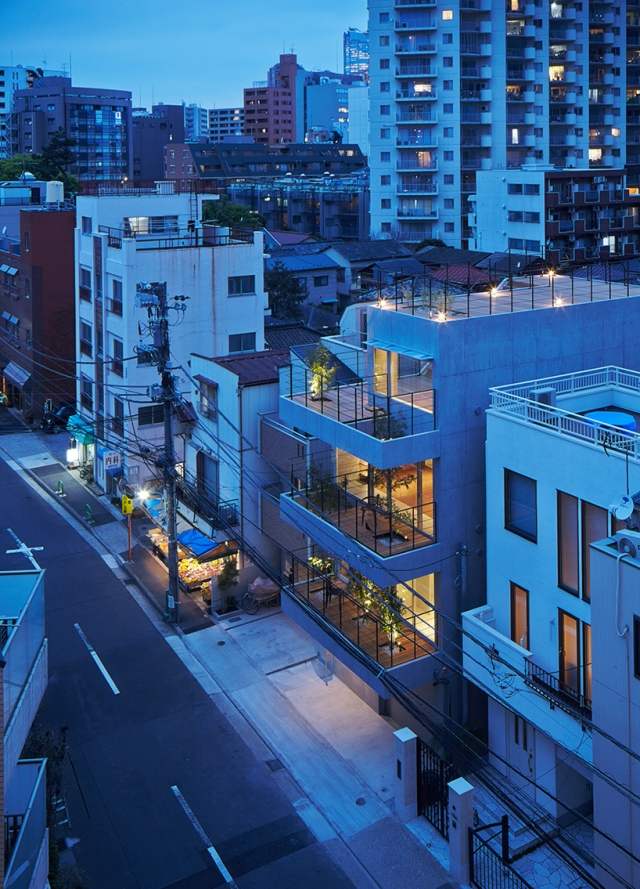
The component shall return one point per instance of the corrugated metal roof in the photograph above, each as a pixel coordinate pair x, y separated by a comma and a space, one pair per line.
256, 368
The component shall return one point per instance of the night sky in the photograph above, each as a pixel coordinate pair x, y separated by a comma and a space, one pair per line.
202, 51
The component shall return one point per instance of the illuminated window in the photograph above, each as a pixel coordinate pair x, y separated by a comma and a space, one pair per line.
556, 72
515, 136
595, 154
447, 15
615, 131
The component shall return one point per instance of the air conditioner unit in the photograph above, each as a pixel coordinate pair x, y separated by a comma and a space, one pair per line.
546, 396
628, 542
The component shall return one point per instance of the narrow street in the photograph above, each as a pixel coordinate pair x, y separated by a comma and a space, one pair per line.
161, 790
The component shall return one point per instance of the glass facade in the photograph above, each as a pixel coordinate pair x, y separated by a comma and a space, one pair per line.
101, 136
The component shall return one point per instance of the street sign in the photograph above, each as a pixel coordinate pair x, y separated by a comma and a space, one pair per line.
112, 460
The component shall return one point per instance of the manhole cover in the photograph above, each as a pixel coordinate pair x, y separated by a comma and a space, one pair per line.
274, 764
222, 643
233, 620
360, 801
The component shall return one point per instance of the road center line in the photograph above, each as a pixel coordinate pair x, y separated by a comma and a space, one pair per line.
114, 688
199, 829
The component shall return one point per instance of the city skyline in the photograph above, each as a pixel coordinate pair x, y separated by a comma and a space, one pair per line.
92, 43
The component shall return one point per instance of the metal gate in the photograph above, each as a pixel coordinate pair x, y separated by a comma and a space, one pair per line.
490, 869
434, 775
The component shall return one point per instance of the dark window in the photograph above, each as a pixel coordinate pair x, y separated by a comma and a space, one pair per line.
569, 653
320, 280
116, 296
150, 415
636, 646
239, 285
116, 362
519, 615
86, 225
86, 339
208, 399
520, 509
568, 545
86, 393
595, 526
117, 421
242, 342
85, 284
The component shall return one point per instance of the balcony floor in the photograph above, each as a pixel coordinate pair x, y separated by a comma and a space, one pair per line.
365, 631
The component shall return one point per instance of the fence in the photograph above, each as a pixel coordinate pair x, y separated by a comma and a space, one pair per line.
489, 869
434, 775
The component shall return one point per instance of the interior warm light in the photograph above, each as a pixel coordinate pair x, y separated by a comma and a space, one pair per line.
72, 455
143, 494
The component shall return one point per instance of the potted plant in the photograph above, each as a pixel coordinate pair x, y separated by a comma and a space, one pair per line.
323, 371
389, 613
228, 577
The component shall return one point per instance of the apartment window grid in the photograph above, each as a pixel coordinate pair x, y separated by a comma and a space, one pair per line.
241, 285
242, 342
520, 505
151, 415
208, 405
579, 523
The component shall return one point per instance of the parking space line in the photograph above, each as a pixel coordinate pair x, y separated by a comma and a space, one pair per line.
114, 688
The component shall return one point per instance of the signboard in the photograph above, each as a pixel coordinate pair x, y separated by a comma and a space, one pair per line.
112, 460
126, 505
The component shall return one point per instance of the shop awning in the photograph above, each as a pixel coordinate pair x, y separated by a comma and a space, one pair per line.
81, 429
16, 374
199, 544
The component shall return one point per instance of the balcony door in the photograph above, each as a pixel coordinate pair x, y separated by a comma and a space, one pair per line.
569, 654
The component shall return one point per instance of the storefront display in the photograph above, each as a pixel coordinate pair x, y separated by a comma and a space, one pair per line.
199, 558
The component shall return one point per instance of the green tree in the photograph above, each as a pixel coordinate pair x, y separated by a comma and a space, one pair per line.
57, 157
13, 167
285, 292
224, 212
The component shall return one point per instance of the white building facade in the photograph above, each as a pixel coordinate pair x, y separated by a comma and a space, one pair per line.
123, 240
225, 123
459, 87
558, 458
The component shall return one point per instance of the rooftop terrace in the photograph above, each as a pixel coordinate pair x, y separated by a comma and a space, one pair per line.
563, 403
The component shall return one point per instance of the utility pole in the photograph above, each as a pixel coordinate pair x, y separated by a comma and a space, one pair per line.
154, 298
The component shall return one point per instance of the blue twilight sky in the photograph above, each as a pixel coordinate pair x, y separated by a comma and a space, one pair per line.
203, 51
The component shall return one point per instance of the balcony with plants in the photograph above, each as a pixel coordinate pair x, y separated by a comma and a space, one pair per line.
359, 509
383, 417
391, 627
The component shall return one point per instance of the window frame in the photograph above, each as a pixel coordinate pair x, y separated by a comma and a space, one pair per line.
566, 587
241, 292
242, 351
512, 587
509, 526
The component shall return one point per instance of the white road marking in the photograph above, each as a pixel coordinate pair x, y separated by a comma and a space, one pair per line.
199, 829
114, 688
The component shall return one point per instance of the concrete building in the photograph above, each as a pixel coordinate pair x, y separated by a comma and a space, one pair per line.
12, 79
196, 123
23, 674
225, 123
547, 649
327, 108
274, 110
37, 321
317, 273
153, 130
355, 46
122, 241
565, 215
358, 128
461, 87
223, 460
97, 120
383, 472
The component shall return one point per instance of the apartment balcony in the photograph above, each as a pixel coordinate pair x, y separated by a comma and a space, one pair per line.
416, 187
340, 619
341, 519
419, 95
419, 4
417, 213
384, 430
417, 115
489, 653
413, 165
417, 138
415, 70
24, 649
415, 46
25, 826
416, 24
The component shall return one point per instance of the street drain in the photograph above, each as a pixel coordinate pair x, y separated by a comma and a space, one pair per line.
274, 764
222, 643
361, 801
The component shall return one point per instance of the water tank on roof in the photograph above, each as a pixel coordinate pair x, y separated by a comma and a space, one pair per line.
54, 193
26, 175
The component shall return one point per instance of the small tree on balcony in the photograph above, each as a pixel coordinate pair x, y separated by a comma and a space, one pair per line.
389, 612
323, 371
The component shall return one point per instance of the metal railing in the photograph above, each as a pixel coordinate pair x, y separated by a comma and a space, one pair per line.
207, 236
516, 401
384, 528
357, 404
489, 869
556, 691
386, 639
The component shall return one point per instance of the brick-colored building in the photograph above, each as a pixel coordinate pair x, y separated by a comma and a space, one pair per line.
274, 111
37, 316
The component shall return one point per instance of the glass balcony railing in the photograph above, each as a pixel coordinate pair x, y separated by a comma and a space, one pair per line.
408, 411
385, 633
385, 527
25, 823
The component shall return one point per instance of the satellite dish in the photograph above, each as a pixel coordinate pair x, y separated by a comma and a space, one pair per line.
622, 509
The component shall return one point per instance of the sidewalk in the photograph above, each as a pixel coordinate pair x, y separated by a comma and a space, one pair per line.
337, 749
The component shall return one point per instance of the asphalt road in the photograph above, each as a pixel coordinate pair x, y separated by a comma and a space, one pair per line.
127, 750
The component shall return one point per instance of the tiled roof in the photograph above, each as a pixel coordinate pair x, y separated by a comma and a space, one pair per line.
303, 263
462, 275
283, 337
449, 256
255, 368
